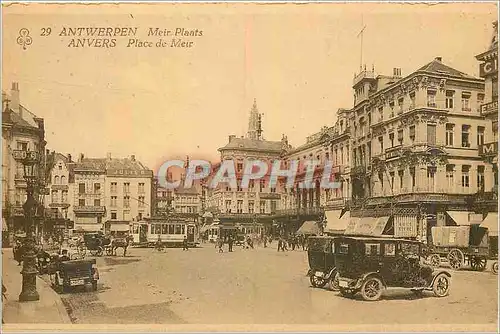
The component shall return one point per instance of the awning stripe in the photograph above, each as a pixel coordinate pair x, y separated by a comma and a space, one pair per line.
309, 227
459, 217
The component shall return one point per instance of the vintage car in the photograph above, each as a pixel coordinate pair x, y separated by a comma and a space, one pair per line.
322, 270
369, 265
66, 275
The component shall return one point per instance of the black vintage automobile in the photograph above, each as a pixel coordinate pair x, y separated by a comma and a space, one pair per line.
370, 265
321, 256
66, 275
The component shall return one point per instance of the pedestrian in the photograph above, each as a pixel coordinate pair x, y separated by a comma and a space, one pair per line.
265, 242
280, 244
230, 241
220, 243
185, 244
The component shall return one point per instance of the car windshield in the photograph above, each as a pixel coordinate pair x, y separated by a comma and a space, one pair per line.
410, 249
316, 244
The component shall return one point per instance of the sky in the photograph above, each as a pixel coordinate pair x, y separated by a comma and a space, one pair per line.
297, 61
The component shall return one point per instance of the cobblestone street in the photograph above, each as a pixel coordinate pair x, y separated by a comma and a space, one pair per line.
259, 286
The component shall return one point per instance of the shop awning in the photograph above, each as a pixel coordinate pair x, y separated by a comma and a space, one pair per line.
309, 227
459, 217
119, 227
88, 227
4, 225
335, 223
367, 226
491, 222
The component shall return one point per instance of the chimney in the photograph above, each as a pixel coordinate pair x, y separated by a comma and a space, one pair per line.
80, 158
69, 157
15, 99
132, 157
108, 156
439, 59
396, 72
231, 137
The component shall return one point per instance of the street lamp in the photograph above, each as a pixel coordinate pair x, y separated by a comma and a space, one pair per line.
29, 271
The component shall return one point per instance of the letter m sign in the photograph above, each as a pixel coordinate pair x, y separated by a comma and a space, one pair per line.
488, 149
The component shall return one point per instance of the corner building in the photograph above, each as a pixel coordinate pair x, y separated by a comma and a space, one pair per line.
415, 146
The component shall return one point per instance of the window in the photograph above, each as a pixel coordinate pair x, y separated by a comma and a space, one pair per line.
391, 175
480, 99
400, 136
178, 229
380, 113
431, 98
450, 177
183, 229
413, 177
412, 100
400, 105
251, 207
401, 175
480, 178
126, 201
81, 188
262, 206
391, 138
273, 206
251, 184
449, 99
97, 202
56, 179
450, 128
114, 187
228, 206
63, 179
494, 88
431, 134
141, 188
431, 178
54, 196
239, 206
23, 146
239, 167
97, 188
262, 185
60, 167
465, 176
465, 136
164, 228
480, 135
141, 201
65, 196
381, 179
273, 190
171, 229
412, 133
113, 215
391, 105
390, 249
344, 249
372, 249
466, 101
126, 188
114, 201
81, 202
381, 143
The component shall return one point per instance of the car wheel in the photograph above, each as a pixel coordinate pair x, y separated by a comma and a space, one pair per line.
333, 282
494, 268
441, 286
372, 288
317, 282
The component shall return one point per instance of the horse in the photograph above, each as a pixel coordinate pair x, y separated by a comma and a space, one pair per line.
121, 243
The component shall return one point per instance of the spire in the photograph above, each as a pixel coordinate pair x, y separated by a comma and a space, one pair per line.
254, 123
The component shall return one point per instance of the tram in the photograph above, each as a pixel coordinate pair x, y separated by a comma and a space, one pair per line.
170, 231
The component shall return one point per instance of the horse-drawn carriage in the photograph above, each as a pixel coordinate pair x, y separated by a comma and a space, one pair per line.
99, 244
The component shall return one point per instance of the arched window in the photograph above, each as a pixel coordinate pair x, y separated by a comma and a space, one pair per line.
56, 180
63, 179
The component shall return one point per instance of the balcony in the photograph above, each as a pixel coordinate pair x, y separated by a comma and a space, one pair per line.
392, 152
89, 209
431, 104
269, 196
59, 205
59, 187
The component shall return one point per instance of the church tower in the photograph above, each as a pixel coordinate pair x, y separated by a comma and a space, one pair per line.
254, 123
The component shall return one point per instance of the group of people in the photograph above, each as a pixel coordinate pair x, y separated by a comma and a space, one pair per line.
293, 242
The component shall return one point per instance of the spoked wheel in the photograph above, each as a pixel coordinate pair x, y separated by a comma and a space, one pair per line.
494, 268
435, 260
109, 251
74, 256
100, 251
94, 252
456, 258
371, 289
317, 282
333, 282
82, 250
441, 286
478, 263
